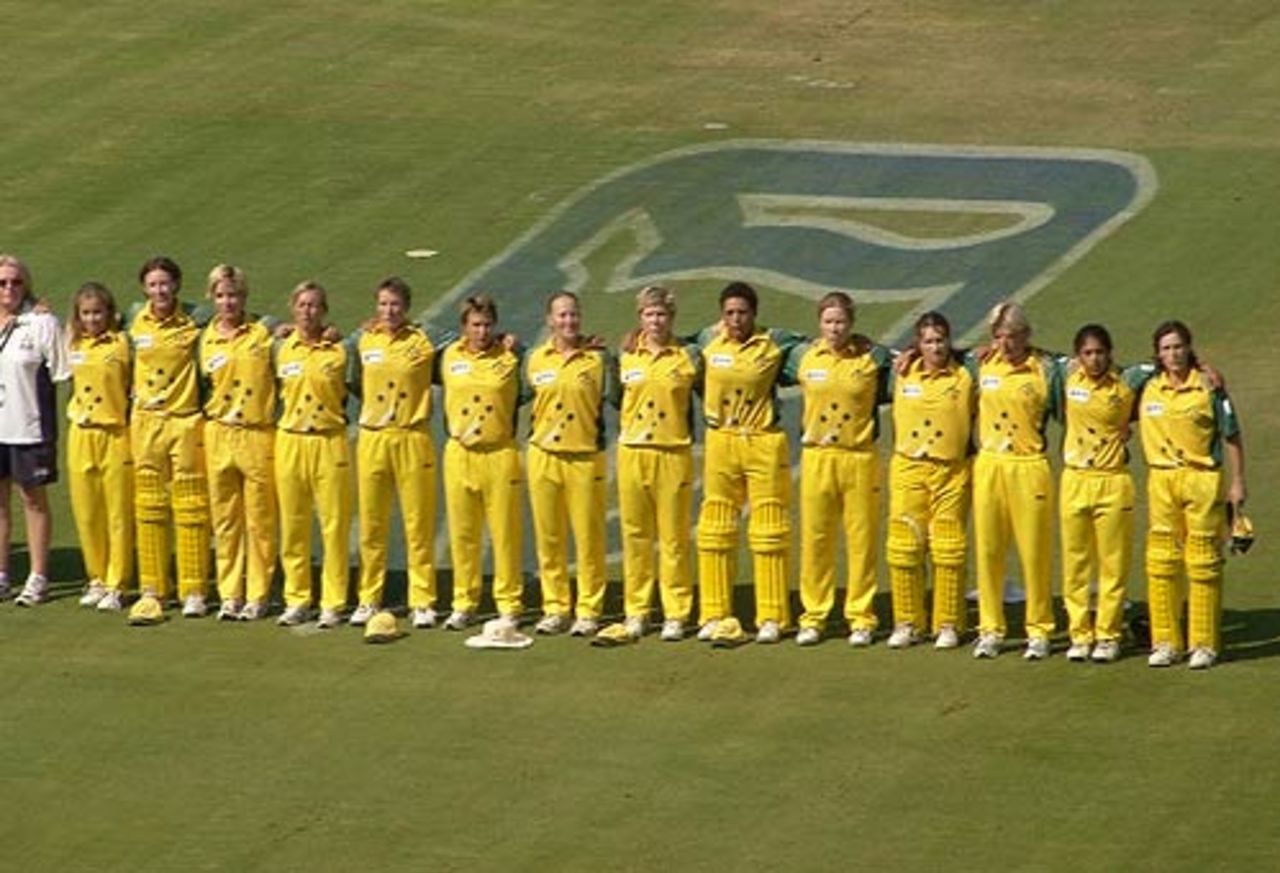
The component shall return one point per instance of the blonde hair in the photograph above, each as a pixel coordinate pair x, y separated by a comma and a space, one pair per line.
234, 276
309, 285
1008, 316
656, 295
91, 291
25, 274
558, 295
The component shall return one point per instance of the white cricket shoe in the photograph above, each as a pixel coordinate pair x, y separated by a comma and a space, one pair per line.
635, 626
93, 594
987, 646
253, 611
294, 616
584, 627
808, 636
551, 625
1037, 649
329, 619
1078, 652
111, 601
708, 630
35, 591
1163, 655
947, 638
860, 637
769, 633
458, 620
362, 614
672, 631
904, 636
229, 610
424, 617
194, 606
1105, 652
1202, 658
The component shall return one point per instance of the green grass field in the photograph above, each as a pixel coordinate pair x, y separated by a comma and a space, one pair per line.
323, 139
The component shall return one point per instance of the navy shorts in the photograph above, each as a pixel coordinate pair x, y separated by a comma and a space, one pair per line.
29, 465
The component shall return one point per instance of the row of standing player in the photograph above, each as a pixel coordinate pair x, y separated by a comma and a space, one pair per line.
736, 367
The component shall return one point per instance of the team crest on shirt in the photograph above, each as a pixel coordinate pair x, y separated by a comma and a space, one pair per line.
990, 383
460, 368
144, 341
372, 356
1078, 395
720, 361
291, 370
815, 375
912, 389
630, 377
1154, 409
544, 377
216, 362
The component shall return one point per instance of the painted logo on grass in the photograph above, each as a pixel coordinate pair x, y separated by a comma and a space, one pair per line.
809, 217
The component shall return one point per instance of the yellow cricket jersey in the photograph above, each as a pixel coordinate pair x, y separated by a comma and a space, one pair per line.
842, 391
656, 395
396, 370
100, 380
933, 411
740, 379
165, 378
1015, 402
481, 394
313, 379
568, 398
1184, 425
1097, 413
239, 374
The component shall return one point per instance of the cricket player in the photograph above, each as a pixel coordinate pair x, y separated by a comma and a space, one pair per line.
1189, 432
747, 463
844, 378
1012, 484
483, 481
395, 454
167, 431
235, 356
565, 378
313, 458
100, 466
934, 402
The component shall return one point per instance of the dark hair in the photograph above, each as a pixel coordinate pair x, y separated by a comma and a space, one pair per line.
1092, 331
162, 262
935, 320
742, 291
396, 286
556, 295
1184, 333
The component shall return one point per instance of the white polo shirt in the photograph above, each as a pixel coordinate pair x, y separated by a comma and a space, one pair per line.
32, 357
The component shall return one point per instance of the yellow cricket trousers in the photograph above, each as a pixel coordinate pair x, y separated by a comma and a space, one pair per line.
1013, 494
483, 485
1187, 523
403, 461
839, 489
655, 503
242, 497
1096, 521
169, 471
751, 469
928, 506
101, 483
313, 474
567, 491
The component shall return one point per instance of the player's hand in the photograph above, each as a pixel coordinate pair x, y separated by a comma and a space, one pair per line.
331, 334
509, 341
1236, 494
284, 330
1214, 375
905, 359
